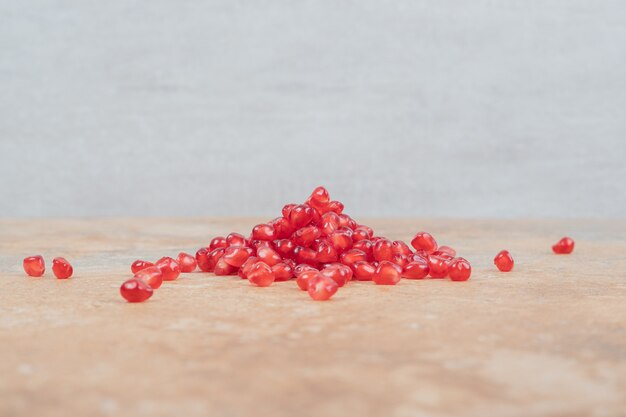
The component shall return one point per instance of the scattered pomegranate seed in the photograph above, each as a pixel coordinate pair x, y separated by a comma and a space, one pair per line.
151, 276
169, 268
321, 288
460, 269
236, 255
138, 265
364, 271
424, 241
304, 277
261, 274
213, 257
222, 267
136, 290
564, 246
268, 255
438, 266
62, 268
202, 259
282, 272
245, 268
416, 269
386, 274
186, 262
218, 242
338, 273
504, 261
34, 266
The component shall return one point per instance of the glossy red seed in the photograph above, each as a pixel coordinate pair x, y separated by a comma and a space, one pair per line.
364, 271
300, 268
287, 210
236, 239
285, 247
367, 229
300, 216
360, 234
326, 253
306, 235
223, 268
236, 255
305, 277
365, 246
135, 290
320, 195
263, 232
438, 266
447, 250
305, 255
151, 276
424, 241
245, 268
282, 228
213, 257
186, 262
352, 256
261, 274
138, 265
382, 250
564, 246
322, 288
341, 240
202, 259
34, 266
218, 242
416, 269
400, 260
335, 207
169, 268
268, 255
386, 274
282, 272
62, 268
398, 247
338, 273
504, 261
346, 221
329, 223
460, 269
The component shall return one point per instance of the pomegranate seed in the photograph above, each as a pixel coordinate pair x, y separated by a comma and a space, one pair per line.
438, 266
306, 235
326, 253
169, 268
365, 246
321, 288
447, 250
218, 242
368, 230
424, 241
305, 255
305, 277
245, 268
386, 274
263, 232
285, 247
329, 223
398, 247
261, 274
416, 269
360, 234
352, 256
300, 216
364, 271
138, 265
62, 268
341, 240
34, 266
335, 207
186, 262
382, 250
460, 269
224, 268
564, 246
268, 255
151, 276
444, 255
236, 239
213, 257
346, 221
236, 255
202, 259
338, 273
282, 272
282, 228
400, 260
504, 261
287, 210
418, 257
320, 195
302, 268
136, 290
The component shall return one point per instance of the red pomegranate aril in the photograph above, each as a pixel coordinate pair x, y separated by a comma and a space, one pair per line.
245, 268
382, 250
202, 259
335, 207
136, 290
367, 229
364, 271
398, 247
441, 254
400, 260
300, 268
564, 246
365, 246
236, 239
169, 268
268, 255
282, 228
62, 268
386, 274
438, 266
459, 269
263, 232
338, 273
300, 216
352, 256
329, 223
213, 257
346, 221
305, 255
306, 235
304, 277
34, 266
322, 288
341, 240
151, 276
218, 242
424, 241
326, 253
360, 234
236, 255
285, 247
287, 210
504, 261
416, 270
261, 274
320, 195
223, 268
447, 250
138, 265
282, 272
186, 262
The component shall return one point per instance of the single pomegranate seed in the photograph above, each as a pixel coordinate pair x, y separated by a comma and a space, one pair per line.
424, 241
305, 255
263, 232
382, 250
444, 255
438, 266
236, 255
285, 247
169, 268
138, 265
202, 259
346, 221
564, 246
305, 277
335, 207
34, 266
416, 269
300, 268
236, 239
300, 216
306, 235
419, 257
282, 272
369, 230
282, 228
224, 268
460, 269
400, 260
320, 195
218, 242
261, 274
386, 274
360, 234
136, 290
398, 247
287, 210
365, 246
329, 223
338, 273
247, 265
352, 256
62, 268
186, 262
326, 253
504, 261
321, 288
213, 257
341, 240
364, 271
151, 276
268, 255
447, 250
